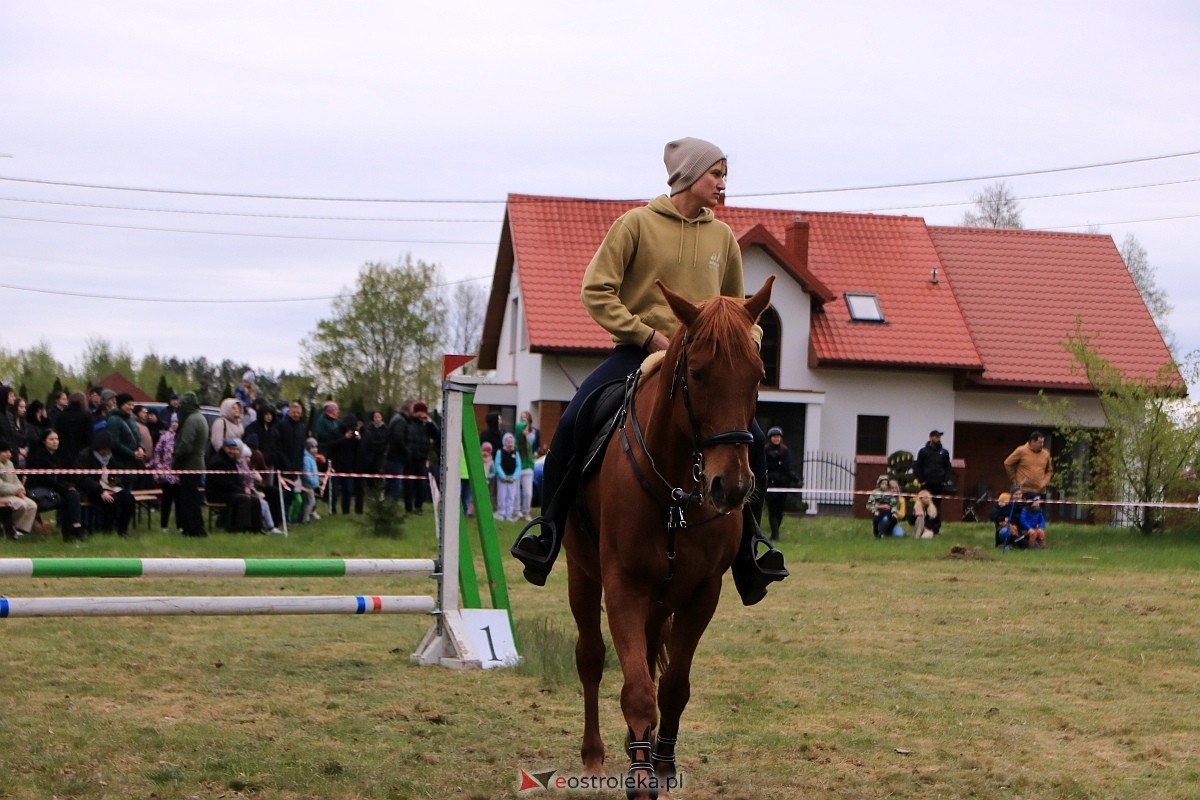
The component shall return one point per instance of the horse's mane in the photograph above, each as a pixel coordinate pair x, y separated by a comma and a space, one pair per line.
724, 325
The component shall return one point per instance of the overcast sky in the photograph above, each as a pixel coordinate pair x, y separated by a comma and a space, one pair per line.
469, 101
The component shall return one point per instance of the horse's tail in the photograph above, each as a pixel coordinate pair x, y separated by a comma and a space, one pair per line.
661, 658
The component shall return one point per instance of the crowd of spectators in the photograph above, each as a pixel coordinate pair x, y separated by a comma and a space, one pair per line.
255, 460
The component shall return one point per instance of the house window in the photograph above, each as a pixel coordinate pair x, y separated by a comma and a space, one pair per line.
871, 439
772, 336
864, 306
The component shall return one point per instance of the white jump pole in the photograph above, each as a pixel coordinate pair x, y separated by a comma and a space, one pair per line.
211, 606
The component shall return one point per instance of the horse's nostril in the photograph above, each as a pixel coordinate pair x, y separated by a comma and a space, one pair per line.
717, 487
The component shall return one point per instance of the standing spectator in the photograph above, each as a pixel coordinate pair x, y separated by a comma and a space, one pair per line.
1029, 467
1033, 521
191, 443
164, 475
141, 419
493, 434
8, 431
508, 469
422, 433
62, 494
346, 453
527, 446
102, 489
123, 430
228, 425
325, 428
58, 404
36, 423
74, 426
20, 429
933, 467
263, 434
12, 494
246, 394
489, 470
397, 452
292, 436
310, 482
780, 475
375, 446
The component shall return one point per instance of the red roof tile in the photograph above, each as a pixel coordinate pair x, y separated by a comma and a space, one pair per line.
1022, 290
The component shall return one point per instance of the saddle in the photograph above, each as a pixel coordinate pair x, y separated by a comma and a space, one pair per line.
599, 415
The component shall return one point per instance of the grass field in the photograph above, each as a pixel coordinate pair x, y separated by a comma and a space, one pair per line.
881, 669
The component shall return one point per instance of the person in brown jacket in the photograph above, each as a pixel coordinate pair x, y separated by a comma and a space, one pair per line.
1029, 466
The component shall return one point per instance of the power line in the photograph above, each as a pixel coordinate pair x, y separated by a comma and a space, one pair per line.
201, 301
241, 213
1026, 197
330, 199
237, 233
499, 221
944, 181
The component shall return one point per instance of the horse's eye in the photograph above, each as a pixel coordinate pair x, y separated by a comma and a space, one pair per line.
697, 375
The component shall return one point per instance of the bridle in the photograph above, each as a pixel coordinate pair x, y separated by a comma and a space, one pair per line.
677, 499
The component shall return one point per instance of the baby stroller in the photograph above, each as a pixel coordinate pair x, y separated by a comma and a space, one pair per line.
972, 509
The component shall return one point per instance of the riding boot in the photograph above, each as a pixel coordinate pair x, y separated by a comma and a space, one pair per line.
539, 541
752, 573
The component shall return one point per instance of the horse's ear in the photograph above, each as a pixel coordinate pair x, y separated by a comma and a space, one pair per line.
685, 311
757, 304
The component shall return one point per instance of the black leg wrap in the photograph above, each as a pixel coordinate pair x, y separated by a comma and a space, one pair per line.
663, 756
641, 776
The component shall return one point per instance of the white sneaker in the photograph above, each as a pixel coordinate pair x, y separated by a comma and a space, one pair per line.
275, 532
315, 515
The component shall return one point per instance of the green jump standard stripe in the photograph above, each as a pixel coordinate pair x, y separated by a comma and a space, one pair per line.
87, 568
306, 567
133, 567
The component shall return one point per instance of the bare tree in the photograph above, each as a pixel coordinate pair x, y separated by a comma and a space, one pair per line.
465, 314
995, 207
1143, 274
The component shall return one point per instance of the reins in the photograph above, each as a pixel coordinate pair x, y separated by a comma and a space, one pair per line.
677, 499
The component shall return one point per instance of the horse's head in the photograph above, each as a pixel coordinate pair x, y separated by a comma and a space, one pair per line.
717, 370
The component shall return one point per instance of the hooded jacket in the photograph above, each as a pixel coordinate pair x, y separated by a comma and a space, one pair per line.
192, 437
227, 426
698, 258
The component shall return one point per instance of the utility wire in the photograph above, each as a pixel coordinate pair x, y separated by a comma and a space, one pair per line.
499, 221
495, 221
193, 300
254, 235
910, 184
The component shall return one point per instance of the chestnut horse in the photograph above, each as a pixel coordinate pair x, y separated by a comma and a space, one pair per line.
658, 527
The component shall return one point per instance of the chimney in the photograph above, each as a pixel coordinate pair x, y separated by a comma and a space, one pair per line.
797, 241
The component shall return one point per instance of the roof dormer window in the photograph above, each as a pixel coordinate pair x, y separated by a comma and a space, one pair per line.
864, 306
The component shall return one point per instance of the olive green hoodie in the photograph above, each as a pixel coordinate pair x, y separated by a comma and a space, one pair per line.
697, 258
192, 436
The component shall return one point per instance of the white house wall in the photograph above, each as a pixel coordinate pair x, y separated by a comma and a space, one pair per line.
794, 306
913, 402
1005, 408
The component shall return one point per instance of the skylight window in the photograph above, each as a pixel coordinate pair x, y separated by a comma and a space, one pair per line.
864, 306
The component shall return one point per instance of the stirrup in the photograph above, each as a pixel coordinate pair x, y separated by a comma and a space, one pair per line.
531, 548
770, 563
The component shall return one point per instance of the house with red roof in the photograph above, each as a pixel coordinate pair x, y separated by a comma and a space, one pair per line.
880, 329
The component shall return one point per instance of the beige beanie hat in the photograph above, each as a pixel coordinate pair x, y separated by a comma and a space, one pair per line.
687, 159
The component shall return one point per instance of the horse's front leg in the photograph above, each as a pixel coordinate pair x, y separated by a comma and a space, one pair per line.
675, 685
585, 595
628, 612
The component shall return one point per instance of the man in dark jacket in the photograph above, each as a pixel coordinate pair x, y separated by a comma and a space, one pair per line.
933, 467
191, 441
422, 434
127, 449
397, 452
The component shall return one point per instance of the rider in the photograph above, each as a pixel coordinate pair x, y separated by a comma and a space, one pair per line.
677, 240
